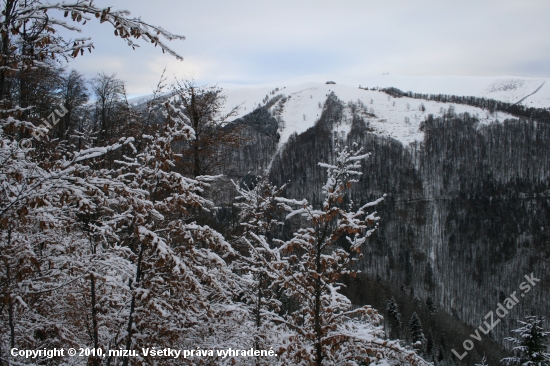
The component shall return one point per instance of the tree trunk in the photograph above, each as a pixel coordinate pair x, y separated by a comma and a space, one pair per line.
196, 143
318, 290
317, 310
11, 321
258, 318
133, 305
5, 47
95, 359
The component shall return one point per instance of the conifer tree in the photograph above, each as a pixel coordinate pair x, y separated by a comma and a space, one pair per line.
431, 305
430, 345
443, 347
394, 318
530, 344
415, 330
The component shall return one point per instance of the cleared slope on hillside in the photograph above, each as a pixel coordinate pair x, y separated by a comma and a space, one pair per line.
301, 106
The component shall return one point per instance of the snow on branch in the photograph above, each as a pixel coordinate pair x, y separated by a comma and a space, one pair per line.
127, 28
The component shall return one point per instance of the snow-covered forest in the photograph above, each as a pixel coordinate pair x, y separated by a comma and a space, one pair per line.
324, 225
105, 242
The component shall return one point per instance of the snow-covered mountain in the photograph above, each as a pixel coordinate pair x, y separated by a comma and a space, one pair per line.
510, 89
297, 103
301, 105
302, 99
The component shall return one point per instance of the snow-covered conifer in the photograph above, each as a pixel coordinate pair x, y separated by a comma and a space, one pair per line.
530, 345
415, 330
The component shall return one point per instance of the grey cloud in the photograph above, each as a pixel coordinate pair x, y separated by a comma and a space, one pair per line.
257, 41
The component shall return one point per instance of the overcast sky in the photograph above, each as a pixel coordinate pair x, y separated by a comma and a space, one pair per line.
259, 41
